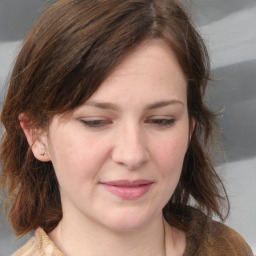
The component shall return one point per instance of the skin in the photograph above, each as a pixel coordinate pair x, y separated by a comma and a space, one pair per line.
135, 126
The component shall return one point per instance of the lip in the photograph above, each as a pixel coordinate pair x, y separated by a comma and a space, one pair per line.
128, 189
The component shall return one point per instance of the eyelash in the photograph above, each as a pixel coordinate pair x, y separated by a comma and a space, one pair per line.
160, 122
95, 123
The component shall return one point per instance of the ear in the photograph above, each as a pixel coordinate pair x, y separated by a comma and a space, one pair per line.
37, 139
192, 125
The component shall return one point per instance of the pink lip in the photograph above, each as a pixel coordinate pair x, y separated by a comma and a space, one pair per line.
127, 189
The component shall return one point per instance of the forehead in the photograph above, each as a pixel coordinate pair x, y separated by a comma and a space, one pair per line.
150, 70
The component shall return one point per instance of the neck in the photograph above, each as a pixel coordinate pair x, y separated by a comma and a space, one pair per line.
80, 239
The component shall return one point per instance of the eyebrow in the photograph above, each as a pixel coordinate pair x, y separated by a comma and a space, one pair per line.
102, 105
162, 104
111, 106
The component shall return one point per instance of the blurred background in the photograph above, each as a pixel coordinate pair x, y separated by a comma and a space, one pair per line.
229, 30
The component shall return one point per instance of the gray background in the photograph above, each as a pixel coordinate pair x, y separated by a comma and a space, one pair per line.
228, 27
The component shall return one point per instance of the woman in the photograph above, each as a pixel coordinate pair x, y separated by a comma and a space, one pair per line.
106, 135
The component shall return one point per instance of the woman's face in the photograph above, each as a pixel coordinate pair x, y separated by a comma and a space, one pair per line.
118, 158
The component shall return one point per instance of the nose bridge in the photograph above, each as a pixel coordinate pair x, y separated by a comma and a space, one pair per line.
130, 147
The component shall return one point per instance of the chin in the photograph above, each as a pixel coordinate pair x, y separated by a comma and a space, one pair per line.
129, 221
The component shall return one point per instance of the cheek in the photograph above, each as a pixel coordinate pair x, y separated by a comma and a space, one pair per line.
169, 153
76, 157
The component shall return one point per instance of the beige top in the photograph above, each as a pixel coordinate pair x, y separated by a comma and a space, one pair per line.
205, 237
39, 245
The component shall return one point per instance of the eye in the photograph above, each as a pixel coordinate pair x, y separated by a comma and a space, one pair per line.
161, 122
95, 123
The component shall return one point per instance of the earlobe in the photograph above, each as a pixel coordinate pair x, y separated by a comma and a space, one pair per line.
37, 139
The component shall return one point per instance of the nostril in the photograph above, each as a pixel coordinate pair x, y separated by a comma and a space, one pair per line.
130, 162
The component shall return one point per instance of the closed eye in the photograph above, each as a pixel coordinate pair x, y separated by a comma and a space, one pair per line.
101, 123
161, 122
96, 123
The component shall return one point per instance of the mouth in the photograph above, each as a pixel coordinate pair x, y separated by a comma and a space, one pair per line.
127, 189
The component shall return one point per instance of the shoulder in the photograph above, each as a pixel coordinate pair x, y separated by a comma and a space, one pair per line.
39, 245
211, 238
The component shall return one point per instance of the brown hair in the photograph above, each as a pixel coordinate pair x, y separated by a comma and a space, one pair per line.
64, 58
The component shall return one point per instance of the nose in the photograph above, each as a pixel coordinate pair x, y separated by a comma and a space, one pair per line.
130, 148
